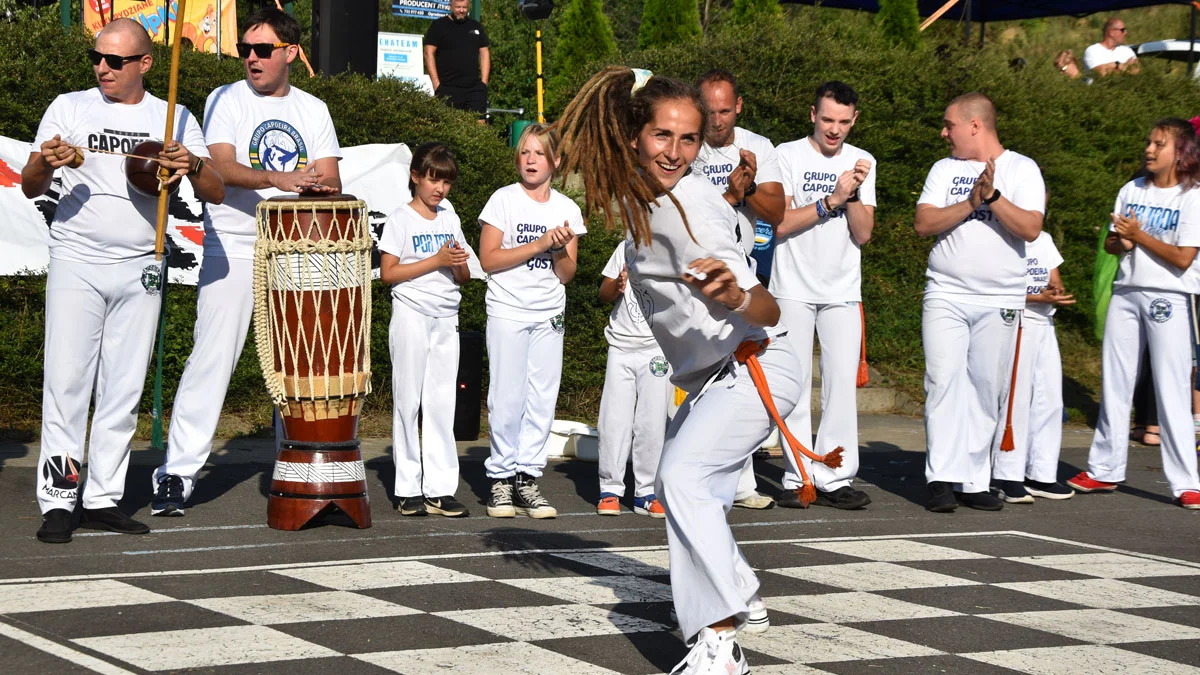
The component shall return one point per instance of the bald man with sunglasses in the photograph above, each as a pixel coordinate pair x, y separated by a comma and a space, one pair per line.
267, 138
103, 285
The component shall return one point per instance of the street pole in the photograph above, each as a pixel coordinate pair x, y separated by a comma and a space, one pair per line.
64, 13
540, 80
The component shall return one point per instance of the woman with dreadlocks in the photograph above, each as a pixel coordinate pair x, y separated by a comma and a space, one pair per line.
708, 313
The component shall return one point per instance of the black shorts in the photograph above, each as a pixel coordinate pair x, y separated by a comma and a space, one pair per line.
473, 97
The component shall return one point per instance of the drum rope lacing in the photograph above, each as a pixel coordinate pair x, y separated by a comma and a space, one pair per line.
325, 265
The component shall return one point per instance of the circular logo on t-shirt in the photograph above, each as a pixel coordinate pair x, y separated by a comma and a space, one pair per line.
276, 146
658, 366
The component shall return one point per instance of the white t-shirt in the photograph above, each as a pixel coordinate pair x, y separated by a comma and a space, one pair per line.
717, 163
1169, 215
530, 291
1041, 256
697, 335
273, 133
823, 263
1099, 55
412, 238
100, 218
978, 261
627, 329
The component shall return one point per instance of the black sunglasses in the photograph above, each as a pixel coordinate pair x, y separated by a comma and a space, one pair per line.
114, 61
262, 50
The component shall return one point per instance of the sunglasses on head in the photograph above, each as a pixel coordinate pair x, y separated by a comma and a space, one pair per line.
262, 50
114, 61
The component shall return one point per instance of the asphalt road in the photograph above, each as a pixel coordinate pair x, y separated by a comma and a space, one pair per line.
225, 528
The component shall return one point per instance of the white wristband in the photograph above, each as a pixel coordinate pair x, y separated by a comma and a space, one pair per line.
741, 309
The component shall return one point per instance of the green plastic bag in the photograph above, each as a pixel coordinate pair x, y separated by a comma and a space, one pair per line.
1104, 275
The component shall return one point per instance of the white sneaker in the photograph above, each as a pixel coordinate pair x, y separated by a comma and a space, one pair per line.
757, 620
714, 654
755, 500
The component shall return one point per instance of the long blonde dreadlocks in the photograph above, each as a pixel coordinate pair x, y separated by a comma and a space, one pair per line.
596, 129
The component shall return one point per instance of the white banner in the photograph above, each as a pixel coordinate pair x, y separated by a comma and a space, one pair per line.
376, 174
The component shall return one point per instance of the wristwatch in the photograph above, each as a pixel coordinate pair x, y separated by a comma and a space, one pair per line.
994, 197
750, 189
197, 167
854, 197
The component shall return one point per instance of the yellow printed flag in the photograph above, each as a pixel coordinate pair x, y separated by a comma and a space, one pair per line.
199, 28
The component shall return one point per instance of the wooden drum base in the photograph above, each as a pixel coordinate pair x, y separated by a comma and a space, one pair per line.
312, 477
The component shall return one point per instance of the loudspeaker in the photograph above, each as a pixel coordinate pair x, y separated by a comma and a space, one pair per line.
535, 10
469, 386
344, 35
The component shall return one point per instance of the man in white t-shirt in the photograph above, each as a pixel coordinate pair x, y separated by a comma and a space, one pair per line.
1110, 55
983, 203
102, 289
267, 138
817, 277
745, 167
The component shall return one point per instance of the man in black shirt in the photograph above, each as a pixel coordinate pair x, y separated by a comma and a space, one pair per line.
458, 60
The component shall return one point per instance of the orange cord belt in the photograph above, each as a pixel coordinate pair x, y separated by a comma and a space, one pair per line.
747, 353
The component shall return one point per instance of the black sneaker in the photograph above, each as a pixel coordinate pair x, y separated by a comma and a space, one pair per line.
56, 527
941, 497
790, 499
500, 504
1012, 491
984, 501
168, 499
845, 498
411, 506
1048, 490
113, 520
445, 506
528, 499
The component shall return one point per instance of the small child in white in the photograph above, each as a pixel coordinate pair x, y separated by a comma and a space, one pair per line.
633, 407
1030, 469
528, 244
422, 256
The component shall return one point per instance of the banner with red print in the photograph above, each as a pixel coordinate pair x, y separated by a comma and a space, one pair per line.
376, 174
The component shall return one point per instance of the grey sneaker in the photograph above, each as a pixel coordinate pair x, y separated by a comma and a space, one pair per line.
500, 504
529, 501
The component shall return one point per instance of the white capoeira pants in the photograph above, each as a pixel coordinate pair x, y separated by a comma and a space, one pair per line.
1037, 408
524, 371
633, 418
839, 328
100, 327
224, 306
424, 352
1138, 319
707, 444
968, 367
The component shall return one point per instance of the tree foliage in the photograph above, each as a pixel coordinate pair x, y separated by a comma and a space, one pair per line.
668, 22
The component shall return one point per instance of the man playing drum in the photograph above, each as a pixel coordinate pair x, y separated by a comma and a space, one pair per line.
102, 290
267, 138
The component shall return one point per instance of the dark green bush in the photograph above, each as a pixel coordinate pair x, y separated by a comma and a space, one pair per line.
668, 22
584, 36
900, 21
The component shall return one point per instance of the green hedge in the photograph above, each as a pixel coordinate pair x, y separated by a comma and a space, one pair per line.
1087, 139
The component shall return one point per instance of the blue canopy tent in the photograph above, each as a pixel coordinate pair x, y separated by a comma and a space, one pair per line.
983, 11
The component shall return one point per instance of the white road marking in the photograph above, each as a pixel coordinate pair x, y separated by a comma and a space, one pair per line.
61, 651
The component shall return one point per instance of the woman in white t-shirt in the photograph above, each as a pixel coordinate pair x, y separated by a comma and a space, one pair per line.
1156, 231
528, 244
702, 303
422, 256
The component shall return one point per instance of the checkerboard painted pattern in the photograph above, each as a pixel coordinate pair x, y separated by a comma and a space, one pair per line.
977, 603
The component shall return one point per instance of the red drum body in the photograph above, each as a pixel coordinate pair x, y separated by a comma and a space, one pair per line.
312, 321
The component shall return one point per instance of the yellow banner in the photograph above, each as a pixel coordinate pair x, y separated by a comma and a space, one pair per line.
199, 25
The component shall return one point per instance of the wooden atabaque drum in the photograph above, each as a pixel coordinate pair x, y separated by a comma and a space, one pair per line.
312, 325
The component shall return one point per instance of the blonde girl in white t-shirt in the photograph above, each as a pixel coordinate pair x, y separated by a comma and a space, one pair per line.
423, 257
1156, 231
528, 244
707, 312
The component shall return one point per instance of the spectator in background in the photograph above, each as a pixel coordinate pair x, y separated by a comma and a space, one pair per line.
1110, 54
458, 60
1066, 64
